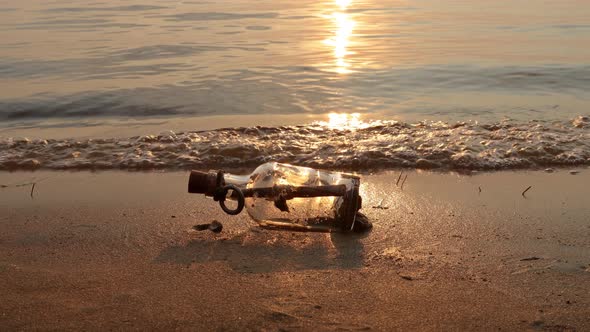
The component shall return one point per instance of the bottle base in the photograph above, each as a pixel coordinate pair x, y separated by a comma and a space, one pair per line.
361, 223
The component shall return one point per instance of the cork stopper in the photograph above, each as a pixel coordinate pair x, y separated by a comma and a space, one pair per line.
202, 182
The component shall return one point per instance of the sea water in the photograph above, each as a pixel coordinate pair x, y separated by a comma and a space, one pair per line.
451, 84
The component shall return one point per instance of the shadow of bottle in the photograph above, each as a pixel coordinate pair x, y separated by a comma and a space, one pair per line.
257, 251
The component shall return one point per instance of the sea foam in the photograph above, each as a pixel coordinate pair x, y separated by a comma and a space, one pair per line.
374, 146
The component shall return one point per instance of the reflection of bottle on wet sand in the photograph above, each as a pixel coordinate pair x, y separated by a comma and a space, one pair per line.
283, 196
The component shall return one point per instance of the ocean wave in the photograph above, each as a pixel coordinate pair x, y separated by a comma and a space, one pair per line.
442, 91
361, 146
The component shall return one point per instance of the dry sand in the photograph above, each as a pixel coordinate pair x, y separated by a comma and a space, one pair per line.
115, 250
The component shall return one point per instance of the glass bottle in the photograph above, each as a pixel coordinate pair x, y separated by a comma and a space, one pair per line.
279, 195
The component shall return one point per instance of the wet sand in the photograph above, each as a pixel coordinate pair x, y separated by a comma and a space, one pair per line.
115, 250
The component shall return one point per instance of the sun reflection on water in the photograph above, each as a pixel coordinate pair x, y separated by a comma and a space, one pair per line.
344, 26
343, 121
343, 3
348, 121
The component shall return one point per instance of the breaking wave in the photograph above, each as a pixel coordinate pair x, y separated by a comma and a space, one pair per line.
375, 145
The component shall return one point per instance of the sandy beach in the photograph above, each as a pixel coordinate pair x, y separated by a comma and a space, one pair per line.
468, 122
116, 250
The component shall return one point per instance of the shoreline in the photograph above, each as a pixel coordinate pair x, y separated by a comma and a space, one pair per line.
344, 143
115, 249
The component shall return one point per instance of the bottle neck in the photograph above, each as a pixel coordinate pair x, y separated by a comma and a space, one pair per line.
240, 181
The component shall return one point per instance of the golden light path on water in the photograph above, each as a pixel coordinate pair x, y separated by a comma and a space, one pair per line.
346, 121
343, 3
344, 26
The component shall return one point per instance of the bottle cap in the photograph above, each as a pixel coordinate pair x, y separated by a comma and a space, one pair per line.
202, 182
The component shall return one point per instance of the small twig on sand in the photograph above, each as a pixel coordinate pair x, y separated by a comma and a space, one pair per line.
479, 189
405, 178
16, 185
524, 192
25, 184
399, 178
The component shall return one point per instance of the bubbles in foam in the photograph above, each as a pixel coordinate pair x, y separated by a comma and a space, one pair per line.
581, 122
375, 145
